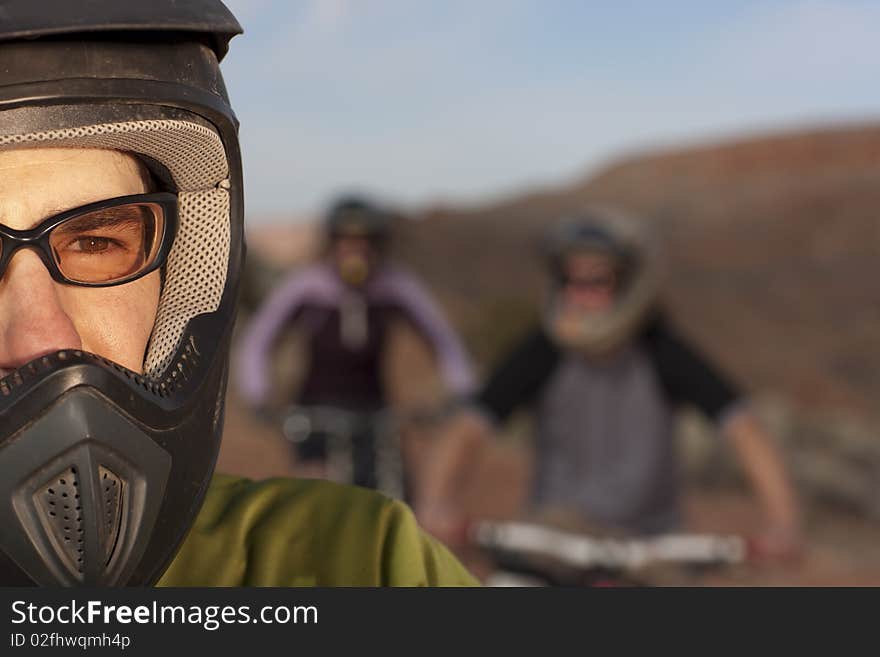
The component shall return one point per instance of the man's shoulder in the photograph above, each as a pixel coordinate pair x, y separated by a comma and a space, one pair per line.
302, 510
227, 493
292, 532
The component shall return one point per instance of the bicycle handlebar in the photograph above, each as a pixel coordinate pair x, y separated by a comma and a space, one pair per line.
297, 421
585, 552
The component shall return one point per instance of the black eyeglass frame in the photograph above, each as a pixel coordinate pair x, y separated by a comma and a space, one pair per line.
37, 238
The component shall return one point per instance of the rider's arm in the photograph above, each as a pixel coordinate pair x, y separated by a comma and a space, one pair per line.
259, 336
418, 306
520, 376
764, 467
689, 378
514, 383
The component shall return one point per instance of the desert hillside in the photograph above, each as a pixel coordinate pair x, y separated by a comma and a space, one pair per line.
774, 252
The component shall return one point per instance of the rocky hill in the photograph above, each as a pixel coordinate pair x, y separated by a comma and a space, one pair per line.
774, 251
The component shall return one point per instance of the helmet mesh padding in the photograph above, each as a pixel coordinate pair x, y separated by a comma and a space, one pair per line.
193, 154
198, 262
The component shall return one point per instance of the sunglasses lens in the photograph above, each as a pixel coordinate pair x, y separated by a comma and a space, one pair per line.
109, 245
596, 283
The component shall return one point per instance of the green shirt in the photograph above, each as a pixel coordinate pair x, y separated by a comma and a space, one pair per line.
302, 532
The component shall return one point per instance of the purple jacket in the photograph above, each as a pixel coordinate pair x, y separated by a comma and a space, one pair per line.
346, 331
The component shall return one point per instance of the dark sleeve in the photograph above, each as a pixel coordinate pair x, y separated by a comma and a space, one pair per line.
520, 376
686, 375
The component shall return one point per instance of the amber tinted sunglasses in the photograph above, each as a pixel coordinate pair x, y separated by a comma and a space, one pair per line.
110, 242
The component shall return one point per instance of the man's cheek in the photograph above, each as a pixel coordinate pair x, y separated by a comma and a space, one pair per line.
116, 322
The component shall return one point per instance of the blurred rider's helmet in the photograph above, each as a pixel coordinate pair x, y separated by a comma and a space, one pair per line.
136, 451
626, 245
356, 218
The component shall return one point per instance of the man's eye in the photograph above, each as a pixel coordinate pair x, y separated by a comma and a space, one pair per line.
90, 244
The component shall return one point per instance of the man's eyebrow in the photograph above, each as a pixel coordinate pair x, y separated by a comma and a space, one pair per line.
102, 219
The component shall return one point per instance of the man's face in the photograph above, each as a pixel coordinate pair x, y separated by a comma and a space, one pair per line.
37, 314
590, 283
354, 258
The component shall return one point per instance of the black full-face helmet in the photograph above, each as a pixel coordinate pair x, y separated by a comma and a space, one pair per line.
102, 470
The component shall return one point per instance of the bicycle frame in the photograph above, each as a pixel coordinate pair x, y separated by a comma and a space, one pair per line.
340, 428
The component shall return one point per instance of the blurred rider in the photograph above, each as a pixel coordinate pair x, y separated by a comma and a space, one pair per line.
604, 373
346, 304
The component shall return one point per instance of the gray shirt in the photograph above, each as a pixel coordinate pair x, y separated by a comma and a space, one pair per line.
605, 443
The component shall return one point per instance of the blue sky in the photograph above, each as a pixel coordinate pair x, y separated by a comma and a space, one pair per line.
464, 101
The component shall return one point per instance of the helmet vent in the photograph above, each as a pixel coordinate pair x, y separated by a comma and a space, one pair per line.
111, 510
59, 501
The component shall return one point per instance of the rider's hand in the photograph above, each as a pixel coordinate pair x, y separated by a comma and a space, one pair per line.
778, 543
444, 522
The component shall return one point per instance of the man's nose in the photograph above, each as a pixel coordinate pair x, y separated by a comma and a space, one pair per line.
33, 321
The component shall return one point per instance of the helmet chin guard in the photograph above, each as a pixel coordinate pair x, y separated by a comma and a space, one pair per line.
608, 231
102, 469
92, 497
